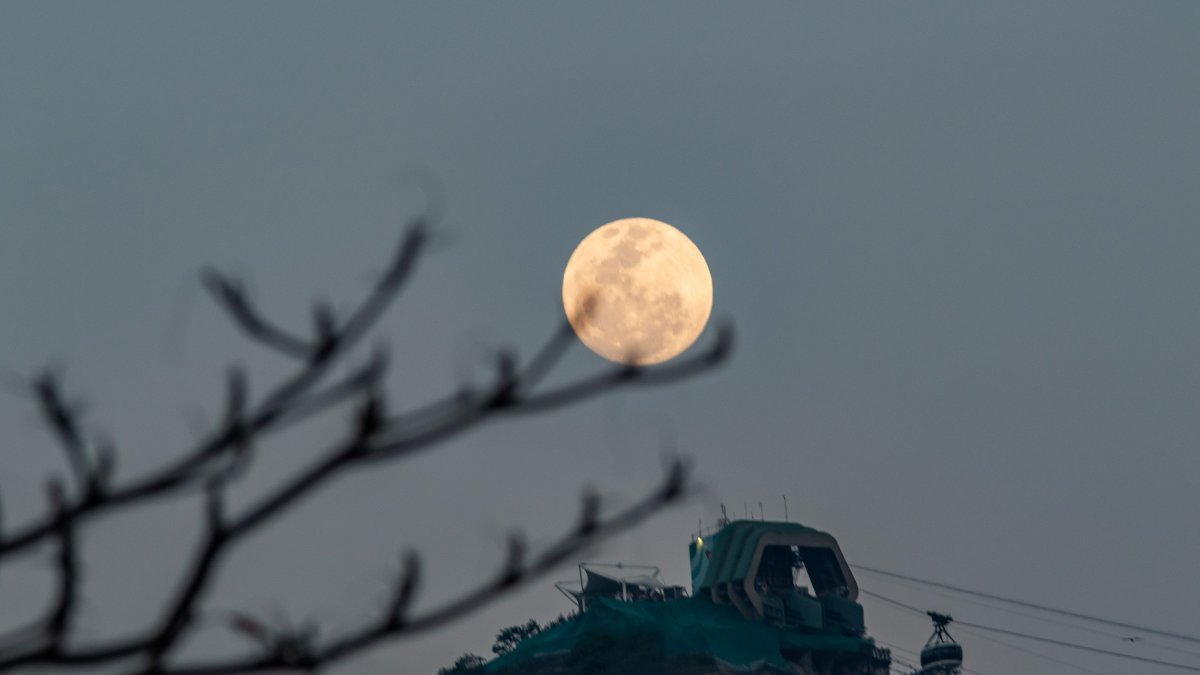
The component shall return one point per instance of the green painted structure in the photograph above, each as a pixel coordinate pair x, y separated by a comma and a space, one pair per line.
767, 597
751, 564
691, 627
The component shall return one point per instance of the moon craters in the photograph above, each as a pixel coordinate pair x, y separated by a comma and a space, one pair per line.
637, 291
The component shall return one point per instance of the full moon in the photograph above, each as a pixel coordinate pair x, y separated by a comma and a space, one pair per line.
637, 291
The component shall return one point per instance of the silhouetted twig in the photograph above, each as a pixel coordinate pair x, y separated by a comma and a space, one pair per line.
395, 621
294, 393
374, 434
67, 564
62, 419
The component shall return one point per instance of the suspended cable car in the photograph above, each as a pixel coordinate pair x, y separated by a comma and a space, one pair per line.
941, 653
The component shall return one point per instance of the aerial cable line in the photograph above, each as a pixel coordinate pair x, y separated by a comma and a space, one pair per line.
1051, 659
1038, 638
1072, 645
1008, 610
1074, 626
901, 662
1158, 645
890, 601
1031, 605
1009, 645
976, 633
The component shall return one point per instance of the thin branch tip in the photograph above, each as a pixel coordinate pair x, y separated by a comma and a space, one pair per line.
589, 512
220, 457
406, 587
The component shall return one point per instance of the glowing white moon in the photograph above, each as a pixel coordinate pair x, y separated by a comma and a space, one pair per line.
637, 291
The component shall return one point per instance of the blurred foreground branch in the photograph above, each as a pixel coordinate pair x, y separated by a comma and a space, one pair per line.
219, 459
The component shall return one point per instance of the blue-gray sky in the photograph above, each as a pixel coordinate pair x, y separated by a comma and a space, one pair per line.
959, 242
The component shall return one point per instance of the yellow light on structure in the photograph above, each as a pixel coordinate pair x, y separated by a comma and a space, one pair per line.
637, 291
699, 542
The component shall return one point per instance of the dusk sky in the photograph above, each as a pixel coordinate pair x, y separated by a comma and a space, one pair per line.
960, 243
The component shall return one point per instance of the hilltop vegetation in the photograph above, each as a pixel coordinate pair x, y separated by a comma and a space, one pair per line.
600, 653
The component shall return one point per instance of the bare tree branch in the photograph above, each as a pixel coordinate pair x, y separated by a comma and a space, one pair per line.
276, 405
67, 562
51, 632
374, 435
231, 294
63, 420
392, 624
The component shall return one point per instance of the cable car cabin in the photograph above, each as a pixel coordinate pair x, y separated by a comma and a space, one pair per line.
785, 574
941, 655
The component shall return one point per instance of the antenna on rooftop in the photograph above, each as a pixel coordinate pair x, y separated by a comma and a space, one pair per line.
761, 514
785, 513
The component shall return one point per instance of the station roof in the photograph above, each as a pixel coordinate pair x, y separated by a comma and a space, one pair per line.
733, 548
